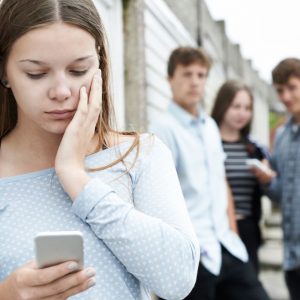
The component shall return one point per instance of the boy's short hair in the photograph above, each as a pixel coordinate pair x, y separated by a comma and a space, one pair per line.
287, 68
186, 56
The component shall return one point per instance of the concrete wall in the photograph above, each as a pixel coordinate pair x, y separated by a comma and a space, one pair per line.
230, 64
152, 31
163, 33
134, 49
111, 12
166, 24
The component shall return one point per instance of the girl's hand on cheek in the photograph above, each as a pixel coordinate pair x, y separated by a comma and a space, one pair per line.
69, 162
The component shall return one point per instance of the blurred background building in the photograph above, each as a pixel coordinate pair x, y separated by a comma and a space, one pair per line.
141, 35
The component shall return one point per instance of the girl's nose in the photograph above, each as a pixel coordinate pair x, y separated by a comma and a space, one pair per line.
60, 91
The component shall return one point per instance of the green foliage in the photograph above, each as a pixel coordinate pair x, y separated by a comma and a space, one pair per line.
275, 119
125, 4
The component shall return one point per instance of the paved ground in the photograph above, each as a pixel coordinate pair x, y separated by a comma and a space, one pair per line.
270, 255
271, 260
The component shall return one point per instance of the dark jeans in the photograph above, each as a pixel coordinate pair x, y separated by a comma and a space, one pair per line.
292, 279
236, 281
250, 234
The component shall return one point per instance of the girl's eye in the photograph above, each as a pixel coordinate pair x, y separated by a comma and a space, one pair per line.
78, 73
35, 76
40, 75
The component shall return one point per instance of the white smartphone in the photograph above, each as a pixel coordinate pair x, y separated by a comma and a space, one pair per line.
52, 248
253, 162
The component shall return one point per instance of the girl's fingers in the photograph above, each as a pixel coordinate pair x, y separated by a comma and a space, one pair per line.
64, 284
95, 97
89, 107
96, 89
38, 277
82, 109
74, 291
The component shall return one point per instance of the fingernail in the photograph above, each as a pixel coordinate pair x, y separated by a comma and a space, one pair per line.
91, 282
83, 89
90, 272
73, 266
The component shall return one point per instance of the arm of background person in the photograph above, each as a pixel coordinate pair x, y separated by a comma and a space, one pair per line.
271, 181
273, 189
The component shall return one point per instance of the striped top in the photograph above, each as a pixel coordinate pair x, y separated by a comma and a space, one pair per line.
241, 180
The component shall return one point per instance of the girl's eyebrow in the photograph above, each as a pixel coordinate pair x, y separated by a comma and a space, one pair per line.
41, 63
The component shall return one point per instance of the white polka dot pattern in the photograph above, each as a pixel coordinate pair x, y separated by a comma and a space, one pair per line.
136, 228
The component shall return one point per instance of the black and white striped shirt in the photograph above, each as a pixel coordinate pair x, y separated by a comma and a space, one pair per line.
241, 181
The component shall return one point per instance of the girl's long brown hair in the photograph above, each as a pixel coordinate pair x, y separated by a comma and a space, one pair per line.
224, 99
20, 16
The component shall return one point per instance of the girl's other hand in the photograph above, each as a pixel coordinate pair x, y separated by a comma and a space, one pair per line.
53, 283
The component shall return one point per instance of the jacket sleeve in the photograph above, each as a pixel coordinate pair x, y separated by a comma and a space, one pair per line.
274, 189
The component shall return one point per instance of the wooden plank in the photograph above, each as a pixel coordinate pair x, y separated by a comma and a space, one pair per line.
156, 80
169, 21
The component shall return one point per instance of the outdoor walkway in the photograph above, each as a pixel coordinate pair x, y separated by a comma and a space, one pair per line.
271, 256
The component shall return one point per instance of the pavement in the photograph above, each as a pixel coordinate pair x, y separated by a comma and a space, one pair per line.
271, 256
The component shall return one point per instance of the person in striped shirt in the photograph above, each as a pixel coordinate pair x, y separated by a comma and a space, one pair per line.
233, 111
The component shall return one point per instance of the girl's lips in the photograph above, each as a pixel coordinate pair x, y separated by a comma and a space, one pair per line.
61, 114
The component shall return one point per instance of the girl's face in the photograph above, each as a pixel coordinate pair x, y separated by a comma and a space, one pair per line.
46, 69
239, 113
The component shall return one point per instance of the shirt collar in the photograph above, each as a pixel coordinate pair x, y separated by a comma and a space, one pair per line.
185, 117
294, 127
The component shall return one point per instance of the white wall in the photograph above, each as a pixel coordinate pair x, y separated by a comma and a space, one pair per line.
216, 75
111, 14
260, 124
163, 33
